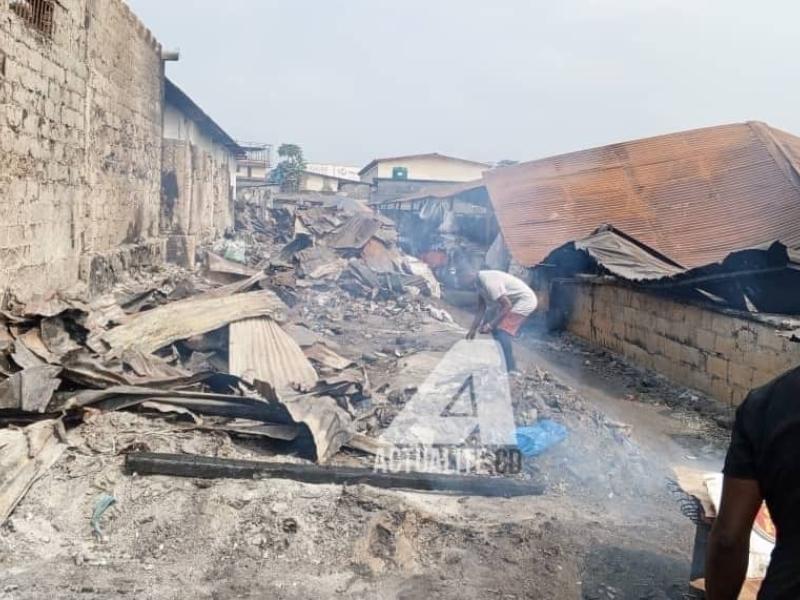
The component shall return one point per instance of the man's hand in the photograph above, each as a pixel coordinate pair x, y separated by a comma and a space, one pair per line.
478, 318
486, 328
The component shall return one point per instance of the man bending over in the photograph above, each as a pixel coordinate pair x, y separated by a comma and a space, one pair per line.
512, 302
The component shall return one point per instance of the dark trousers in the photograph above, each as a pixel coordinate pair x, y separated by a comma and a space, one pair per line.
504, 339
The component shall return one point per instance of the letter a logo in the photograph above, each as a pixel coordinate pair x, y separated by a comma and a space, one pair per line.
466, 392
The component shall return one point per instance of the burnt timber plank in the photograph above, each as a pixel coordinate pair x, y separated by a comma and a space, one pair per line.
181, 465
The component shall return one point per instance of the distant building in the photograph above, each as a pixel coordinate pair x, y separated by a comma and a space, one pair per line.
329, 178
400, 176
317, 182
423, 167
254, 165
342, 172
198, 180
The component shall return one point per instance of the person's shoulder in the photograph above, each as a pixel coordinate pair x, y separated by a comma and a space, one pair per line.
782, 389
489, 275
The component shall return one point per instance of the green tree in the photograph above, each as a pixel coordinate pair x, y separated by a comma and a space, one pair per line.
290, 169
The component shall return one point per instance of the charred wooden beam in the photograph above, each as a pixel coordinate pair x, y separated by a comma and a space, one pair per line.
181, 465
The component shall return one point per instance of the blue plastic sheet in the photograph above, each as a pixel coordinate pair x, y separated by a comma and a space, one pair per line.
534, 439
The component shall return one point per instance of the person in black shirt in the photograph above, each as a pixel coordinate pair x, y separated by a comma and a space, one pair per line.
763, 463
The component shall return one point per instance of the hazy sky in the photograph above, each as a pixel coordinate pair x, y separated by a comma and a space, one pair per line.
351, 80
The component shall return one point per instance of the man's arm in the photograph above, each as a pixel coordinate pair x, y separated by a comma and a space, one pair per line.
478, 318
505, 308
729, 544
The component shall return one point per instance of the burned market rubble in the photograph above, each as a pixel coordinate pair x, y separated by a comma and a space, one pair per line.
283, 356
280, 336
305, 328
231, 370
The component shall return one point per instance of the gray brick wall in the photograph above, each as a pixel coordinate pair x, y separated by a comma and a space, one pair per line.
80, 138
719, 354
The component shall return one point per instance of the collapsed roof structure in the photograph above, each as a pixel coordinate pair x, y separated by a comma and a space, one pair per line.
693, 196
764, 278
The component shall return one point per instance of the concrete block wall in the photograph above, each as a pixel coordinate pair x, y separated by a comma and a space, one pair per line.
125, 90
722, 355
80, 136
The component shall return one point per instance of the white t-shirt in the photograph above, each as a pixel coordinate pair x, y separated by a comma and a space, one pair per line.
494, 284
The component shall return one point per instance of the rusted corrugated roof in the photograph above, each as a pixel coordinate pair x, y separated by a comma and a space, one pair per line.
694, 196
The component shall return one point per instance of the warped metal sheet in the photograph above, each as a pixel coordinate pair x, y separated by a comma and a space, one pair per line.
318, 262
261, 350
30, 390
218, 264
329, 425
26, 455
693, 196
764, 279
615, 252
354, 233
159, 327
379, 258
33, 342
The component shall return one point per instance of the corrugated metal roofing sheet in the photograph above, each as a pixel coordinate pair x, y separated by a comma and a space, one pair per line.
261, 350
694, 196
625, 257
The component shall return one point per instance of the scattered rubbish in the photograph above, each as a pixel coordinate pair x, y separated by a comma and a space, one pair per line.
217, 264
325, 357
215, 352
534, 439
234, 250
103, 503
440, 315
290, 525
420, 269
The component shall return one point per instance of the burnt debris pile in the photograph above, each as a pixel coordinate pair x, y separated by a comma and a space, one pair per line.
280, 335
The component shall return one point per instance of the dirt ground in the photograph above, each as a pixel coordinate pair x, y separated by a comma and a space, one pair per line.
608, 526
